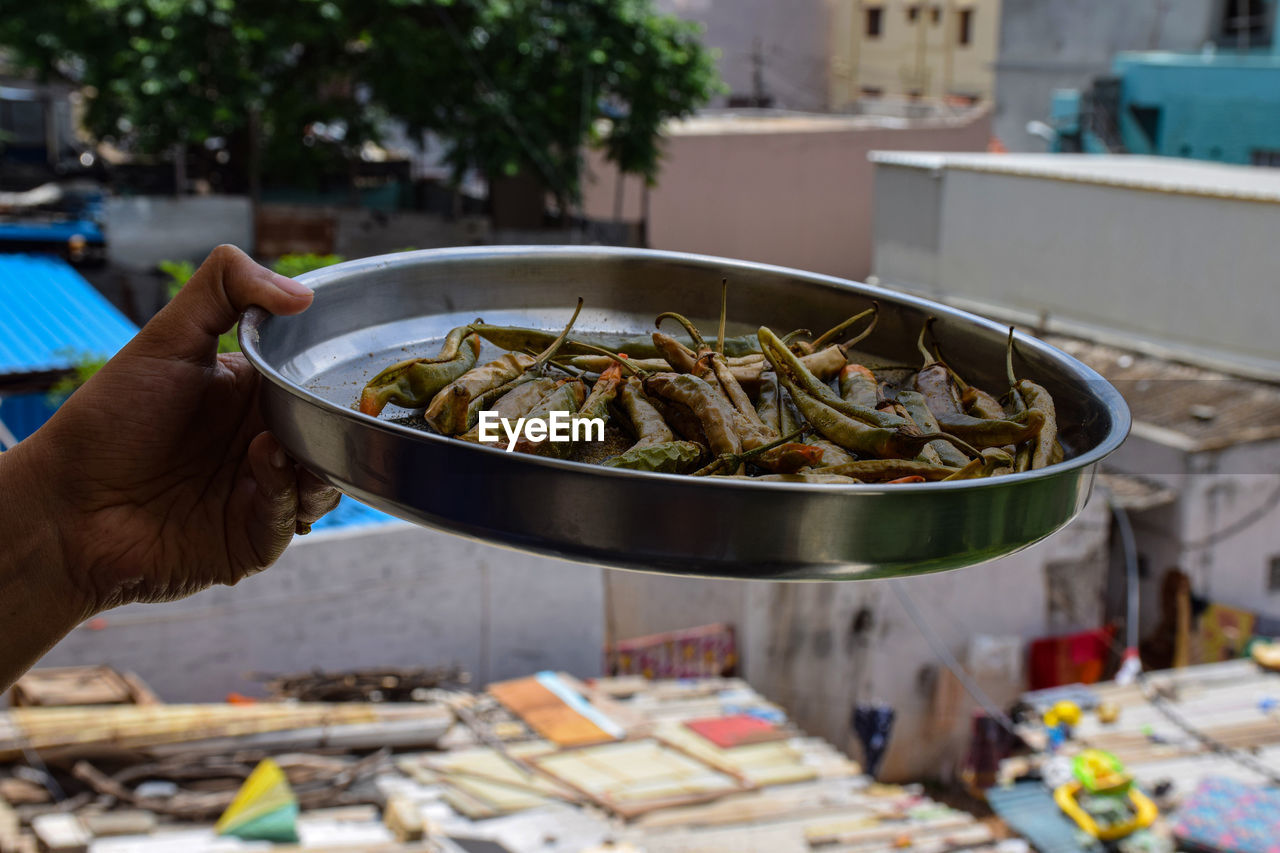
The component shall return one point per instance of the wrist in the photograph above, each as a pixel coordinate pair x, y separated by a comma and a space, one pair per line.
34, 561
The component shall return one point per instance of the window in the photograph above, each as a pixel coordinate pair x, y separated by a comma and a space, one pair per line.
1246, 23
966, 26
1273, 575
913, 12
936, 13
875, 22
1267, 157
872, 91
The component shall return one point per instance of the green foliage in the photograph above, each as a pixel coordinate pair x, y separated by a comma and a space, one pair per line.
85, 366
528, 83
164, 73
295, 265
179, 273
511, 85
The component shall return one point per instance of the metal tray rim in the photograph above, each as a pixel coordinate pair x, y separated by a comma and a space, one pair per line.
253, 319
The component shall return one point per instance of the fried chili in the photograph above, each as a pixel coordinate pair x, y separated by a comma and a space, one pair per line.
711, 410
414, 382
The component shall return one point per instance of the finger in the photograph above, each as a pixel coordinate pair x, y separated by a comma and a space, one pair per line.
209, 304
315, 499
264, 511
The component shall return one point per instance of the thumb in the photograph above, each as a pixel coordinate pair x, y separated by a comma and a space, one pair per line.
210, 303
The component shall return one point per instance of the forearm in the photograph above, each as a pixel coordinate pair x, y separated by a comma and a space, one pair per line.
38, 602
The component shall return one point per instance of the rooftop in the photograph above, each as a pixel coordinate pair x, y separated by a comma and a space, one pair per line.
51, 318
1189, 407
1156, 174
712, 123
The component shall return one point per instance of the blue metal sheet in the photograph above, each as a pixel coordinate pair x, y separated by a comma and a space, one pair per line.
23, 414
351, 513
51, 318
50, 232
1029, 810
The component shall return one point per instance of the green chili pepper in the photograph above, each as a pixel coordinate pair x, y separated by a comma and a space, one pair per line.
769, 402
981, 432
882, 470
646, 420
669, 457
832, 454
914, 403
858, 385
712, 411
852, 434
788, 365
806, 477
517, 401
835, 332
991, 459
414, 382
451, 411
1039, 402
567, 397
521, 339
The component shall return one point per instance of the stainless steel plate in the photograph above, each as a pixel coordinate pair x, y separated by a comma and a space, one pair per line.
371, 312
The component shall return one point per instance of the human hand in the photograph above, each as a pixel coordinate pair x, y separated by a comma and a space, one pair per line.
158, 474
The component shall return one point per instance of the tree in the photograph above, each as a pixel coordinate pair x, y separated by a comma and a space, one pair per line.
534, 81
513, 86
165, 76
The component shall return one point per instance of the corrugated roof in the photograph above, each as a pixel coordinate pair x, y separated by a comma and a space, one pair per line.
1154, 174
50, 317
1193, 408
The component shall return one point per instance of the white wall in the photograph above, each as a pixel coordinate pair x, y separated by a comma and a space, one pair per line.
1188, 271
383, 596
800, 647
143, 230
794, 191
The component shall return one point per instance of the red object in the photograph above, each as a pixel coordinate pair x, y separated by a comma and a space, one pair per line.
1069, 659
705, 652
735, 730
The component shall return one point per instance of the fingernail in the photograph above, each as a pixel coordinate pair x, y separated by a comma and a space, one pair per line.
290, 286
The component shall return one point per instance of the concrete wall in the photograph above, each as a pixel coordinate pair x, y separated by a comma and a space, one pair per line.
1065, 44
1178, 273
807, 646
795, 192
791, 39
144, 230
383, 596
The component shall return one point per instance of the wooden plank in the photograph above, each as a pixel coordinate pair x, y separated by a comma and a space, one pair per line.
120, 822
9, 828
632, 778
547, 714
403, 818
71, 685
61, 833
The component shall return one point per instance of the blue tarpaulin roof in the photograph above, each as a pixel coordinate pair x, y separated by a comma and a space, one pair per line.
50, 232
51, 318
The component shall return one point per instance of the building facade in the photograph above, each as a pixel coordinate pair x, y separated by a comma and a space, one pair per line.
1046, 45
938, 49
